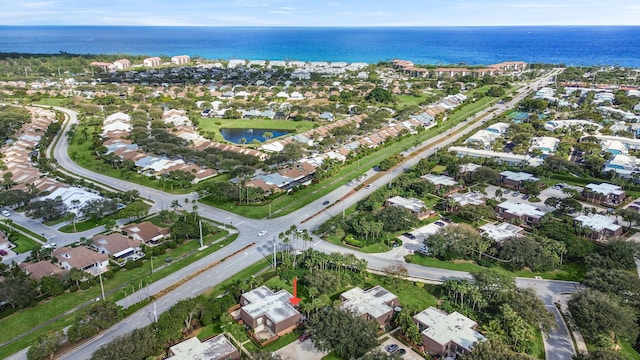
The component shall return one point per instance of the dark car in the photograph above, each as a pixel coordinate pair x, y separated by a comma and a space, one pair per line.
439, 223
304, 337
402, 352
392, 348
409, 235
325, 203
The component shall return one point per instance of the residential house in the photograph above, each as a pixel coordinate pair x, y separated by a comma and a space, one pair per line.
5, 244
416, 206
214, 348
74, 198
545, 144
147, 232
181, 59
624, 165
376, 303
499, 128
117, 245
614, 147
263, 310
482, 139
601, 227
606, 194
446, 335
82, 258
468, 198
440, 181
501, 232
40, 269
514, 180
526, 213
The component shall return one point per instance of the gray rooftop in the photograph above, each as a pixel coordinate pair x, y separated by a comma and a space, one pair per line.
443, 328
501, 231
373, 301
264, 302
440, 179
518, 176
469, 198
412, 204
217, 347
520, 209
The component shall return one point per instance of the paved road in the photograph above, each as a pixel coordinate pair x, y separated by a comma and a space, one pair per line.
248, 229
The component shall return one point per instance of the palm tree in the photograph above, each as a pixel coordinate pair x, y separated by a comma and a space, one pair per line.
243, 141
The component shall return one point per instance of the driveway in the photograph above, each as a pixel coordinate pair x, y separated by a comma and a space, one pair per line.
410, 355
301, 350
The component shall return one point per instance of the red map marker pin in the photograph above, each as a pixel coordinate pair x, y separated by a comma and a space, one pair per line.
295, 300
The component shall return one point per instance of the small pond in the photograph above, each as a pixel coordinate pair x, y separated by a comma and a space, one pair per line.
234, 135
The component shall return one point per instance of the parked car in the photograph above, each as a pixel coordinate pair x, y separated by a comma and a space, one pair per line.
409, 235
6, 213
525, 197
506, 191
402, 352
392, 348
3, 252
515, 193
304, 337
369, 186
325, 203
439, 223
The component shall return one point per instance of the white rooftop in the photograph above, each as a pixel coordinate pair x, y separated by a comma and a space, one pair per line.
520, 209
598, 222
454, 327
275, 306
468, 198
605, 189
440, 179
519, 176
501, 231
373, 301
500, 156
415, 205
212, 349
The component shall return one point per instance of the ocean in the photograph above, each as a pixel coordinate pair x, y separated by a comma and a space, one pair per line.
569, 45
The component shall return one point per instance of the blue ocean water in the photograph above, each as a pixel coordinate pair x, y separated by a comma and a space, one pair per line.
569, 45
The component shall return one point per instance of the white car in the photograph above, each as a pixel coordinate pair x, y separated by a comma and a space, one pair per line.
6, 213
368, 186
262, 233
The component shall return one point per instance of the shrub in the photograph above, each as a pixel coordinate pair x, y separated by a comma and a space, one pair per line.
109, 274
73, 289
172, 245
130, 265
85, 285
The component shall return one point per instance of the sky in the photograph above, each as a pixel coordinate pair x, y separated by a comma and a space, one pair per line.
320, 12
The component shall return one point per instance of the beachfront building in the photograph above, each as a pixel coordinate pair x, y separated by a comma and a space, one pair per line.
152, 61
181, 59
501, 157
122, 64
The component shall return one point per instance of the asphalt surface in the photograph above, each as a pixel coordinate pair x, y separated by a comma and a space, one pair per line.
249, 228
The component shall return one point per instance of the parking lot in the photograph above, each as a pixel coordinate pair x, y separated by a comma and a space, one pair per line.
301, 350
410, 354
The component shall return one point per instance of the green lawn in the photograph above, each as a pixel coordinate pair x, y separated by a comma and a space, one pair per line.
50, 102
26, 319
23, 243
538, 346
628, 351
409, 100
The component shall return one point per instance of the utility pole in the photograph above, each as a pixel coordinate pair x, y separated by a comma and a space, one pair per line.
274, 252
101, 286
201, 241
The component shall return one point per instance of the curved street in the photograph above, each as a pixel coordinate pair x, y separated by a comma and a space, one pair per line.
254, 247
